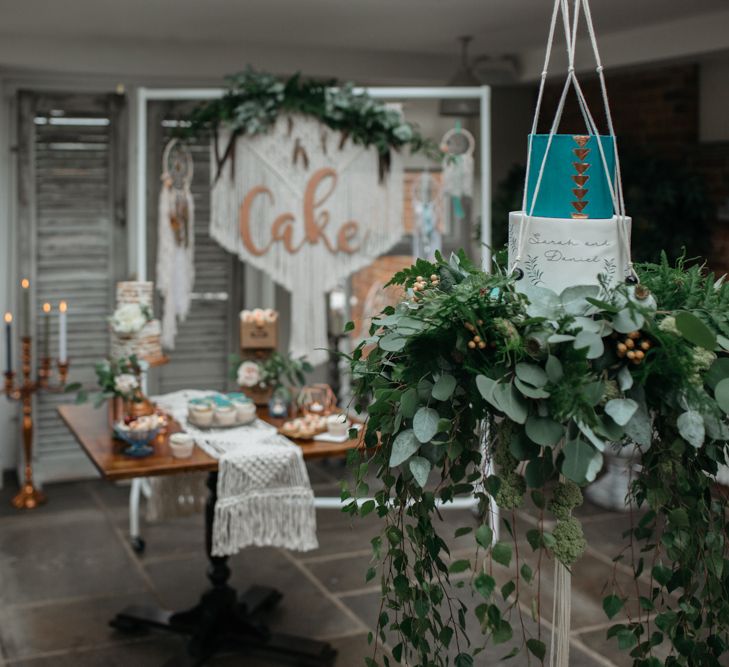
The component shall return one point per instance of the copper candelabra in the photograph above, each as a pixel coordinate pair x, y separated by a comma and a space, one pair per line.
29, 497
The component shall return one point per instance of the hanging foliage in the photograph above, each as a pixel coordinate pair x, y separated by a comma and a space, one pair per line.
542, 384
254, 100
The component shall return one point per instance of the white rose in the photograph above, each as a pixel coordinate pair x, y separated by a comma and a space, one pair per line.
128, 318
249, 374
125, 384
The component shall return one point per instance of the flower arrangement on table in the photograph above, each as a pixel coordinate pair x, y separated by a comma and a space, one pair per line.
467, 370
276, 374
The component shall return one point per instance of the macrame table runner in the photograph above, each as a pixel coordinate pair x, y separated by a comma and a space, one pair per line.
264, 494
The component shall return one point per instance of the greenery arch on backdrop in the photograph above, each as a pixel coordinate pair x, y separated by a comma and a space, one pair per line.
556, 380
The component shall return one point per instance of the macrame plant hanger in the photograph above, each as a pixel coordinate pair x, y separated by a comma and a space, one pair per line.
561, 612
176, 238
616, 189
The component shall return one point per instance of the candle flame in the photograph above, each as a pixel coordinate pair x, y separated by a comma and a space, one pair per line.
8, 318
46, 307
63, 306
25, 283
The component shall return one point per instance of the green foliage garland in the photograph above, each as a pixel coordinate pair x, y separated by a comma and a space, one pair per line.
254, 100
544, 384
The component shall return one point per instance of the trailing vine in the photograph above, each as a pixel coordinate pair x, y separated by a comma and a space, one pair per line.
254, 101
466, 372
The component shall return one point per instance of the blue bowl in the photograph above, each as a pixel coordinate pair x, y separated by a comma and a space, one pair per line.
138, 441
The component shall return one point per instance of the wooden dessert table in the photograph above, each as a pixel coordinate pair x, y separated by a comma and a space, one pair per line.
221, 620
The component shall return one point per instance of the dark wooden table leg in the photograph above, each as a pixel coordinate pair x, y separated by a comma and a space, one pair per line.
221, 621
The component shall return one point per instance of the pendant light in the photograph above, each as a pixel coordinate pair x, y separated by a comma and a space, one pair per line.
465, 76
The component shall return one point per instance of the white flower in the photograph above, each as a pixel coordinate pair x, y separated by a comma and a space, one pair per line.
125, 384
249, 374
128, 318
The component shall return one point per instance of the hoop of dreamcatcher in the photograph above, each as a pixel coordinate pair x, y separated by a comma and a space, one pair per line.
458, 146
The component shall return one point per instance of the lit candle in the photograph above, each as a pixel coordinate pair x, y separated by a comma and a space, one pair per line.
8, 342
62, 351
46, 330
25, 329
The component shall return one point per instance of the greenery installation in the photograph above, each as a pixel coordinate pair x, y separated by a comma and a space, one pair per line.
553, 381
254, 101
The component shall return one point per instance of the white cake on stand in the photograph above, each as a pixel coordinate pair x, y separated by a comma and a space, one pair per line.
134, 330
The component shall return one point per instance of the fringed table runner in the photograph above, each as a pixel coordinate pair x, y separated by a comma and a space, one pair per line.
264, 494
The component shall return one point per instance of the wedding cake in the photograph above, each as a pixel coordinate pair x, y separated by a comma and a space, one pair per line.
134, 331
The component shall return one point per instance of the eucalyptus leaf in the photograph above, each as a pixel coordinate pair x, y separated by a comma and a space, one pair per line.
591, 436
721, 395
626, 321
554, 369
512, 404
529, 391
625, 379
719, 371
522, 448
588, 324
420, 467
691, 427
443, 387
544, 431
574, 298
593, 392
591, 341
621, 410
425, 424
543, 302
403, 447
560, 338
409, 402
639, 428
695, 331
392, 342
581, 461
531, 374
485, 386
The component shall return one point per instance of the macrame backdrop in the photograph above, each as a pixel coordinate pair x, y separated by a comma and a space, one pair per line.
299, 178
175, 239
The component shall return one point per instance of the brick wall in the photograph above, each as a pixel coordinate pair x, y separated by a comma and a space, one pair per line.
658, 110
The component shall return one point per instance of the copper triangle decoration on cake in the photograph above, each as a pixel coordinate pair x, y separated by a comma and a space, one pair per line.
580, 179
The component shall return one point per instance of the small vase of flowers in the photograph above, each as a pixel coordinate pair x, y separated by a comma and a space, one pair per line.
258, 379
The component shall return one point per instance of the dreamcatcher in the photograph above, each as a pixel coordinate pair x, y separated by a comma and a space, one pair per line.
427, 203
176, 239
458, 146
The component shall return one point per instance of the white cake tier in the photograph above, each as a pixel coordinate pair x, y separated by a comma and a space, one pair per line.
145, 344
561, 252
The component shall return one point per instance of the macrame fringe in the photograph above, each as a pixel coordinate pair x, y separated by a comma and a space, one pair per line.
559, 655
277, 519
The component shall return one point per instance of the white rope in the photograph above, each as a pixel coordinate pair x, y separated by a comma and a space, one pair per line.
615, 190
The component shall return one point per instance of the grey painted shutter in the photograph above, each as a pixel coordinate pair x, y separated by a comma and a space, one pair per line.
208, 336
72, 195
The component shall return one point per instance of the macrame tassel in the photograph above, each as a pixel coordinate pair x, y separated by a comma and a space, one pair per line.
559, 655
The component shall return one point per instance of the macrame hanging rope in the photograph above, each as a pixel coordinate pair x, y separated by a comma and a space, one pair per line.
175, 239
615, 190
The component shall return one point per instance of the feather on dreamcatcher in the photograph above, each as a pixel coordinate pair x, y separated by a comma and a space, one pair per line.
176, 239
458, 146
427, 204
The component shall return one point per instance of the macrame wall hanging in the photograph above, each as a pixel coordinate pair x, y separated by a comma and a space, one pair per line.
176, 239
308, 207
458, 146
572, 226
427, 204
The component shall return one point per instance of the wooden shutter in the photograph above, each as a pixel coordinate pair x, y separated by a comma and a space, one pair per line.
71, 196
208, 336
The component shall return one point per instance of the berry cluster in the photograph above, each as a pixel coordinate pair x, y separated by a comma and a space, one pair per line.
477, 341
632, 347
421, 284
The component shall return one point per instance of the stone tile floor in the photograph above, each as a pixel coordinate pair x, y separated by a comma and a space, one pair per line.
66, 568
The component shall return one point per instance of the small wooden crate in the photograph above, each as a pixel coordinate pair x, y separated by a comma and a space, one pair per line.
258, 335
